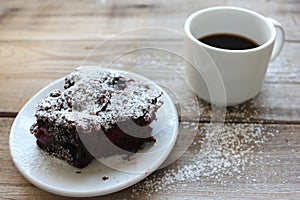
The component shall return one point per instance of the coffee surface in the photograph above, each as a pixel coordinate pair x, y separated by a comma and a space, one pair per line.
228, 41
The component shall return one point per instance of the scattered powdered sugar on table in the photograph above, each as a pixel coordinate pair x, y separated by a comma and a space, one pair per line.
219, 150
225, 150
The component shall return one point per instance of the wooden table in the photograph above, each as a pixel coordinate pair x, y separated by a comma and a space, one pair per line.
42, 41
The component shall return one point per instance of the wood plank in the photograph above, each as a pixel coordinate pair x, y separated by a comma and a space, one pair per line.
85, 20
272, 170
27, 67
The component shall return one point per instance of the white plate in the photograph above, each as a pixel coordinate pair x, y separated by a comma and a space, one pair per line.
56, 176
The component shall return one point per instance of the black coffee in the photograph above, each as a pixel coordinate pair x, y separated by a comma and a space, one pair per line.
228, 41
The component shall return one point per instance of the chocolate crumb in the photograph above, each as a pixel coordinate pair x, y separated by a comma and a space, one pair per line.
78, 172
105, 178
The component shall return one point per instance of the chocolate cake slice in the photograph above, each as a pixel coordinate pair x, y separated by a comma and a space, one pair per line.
99, 113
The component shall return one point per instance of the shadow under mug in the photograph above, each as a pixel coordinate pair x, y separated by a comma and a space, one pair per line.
229, 77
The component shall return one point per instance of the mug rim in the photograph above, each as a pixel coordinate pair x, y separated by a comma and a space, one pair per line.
189, 20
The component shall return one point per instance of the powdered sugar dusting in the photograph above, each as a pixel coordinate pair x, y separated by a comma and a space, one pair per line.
226, 150
102, 97
30, 155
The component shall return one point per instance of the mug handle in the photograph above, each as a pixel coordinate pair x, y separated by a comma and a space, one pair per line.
280, 37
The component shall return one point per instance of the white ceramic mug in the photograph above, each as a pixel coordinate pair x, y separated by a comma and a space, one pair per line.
231, 76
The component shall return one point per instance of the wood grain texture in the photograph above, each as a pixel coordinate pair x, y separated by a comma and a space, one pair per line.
275, 173
41, 41
79, 20
36, 64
